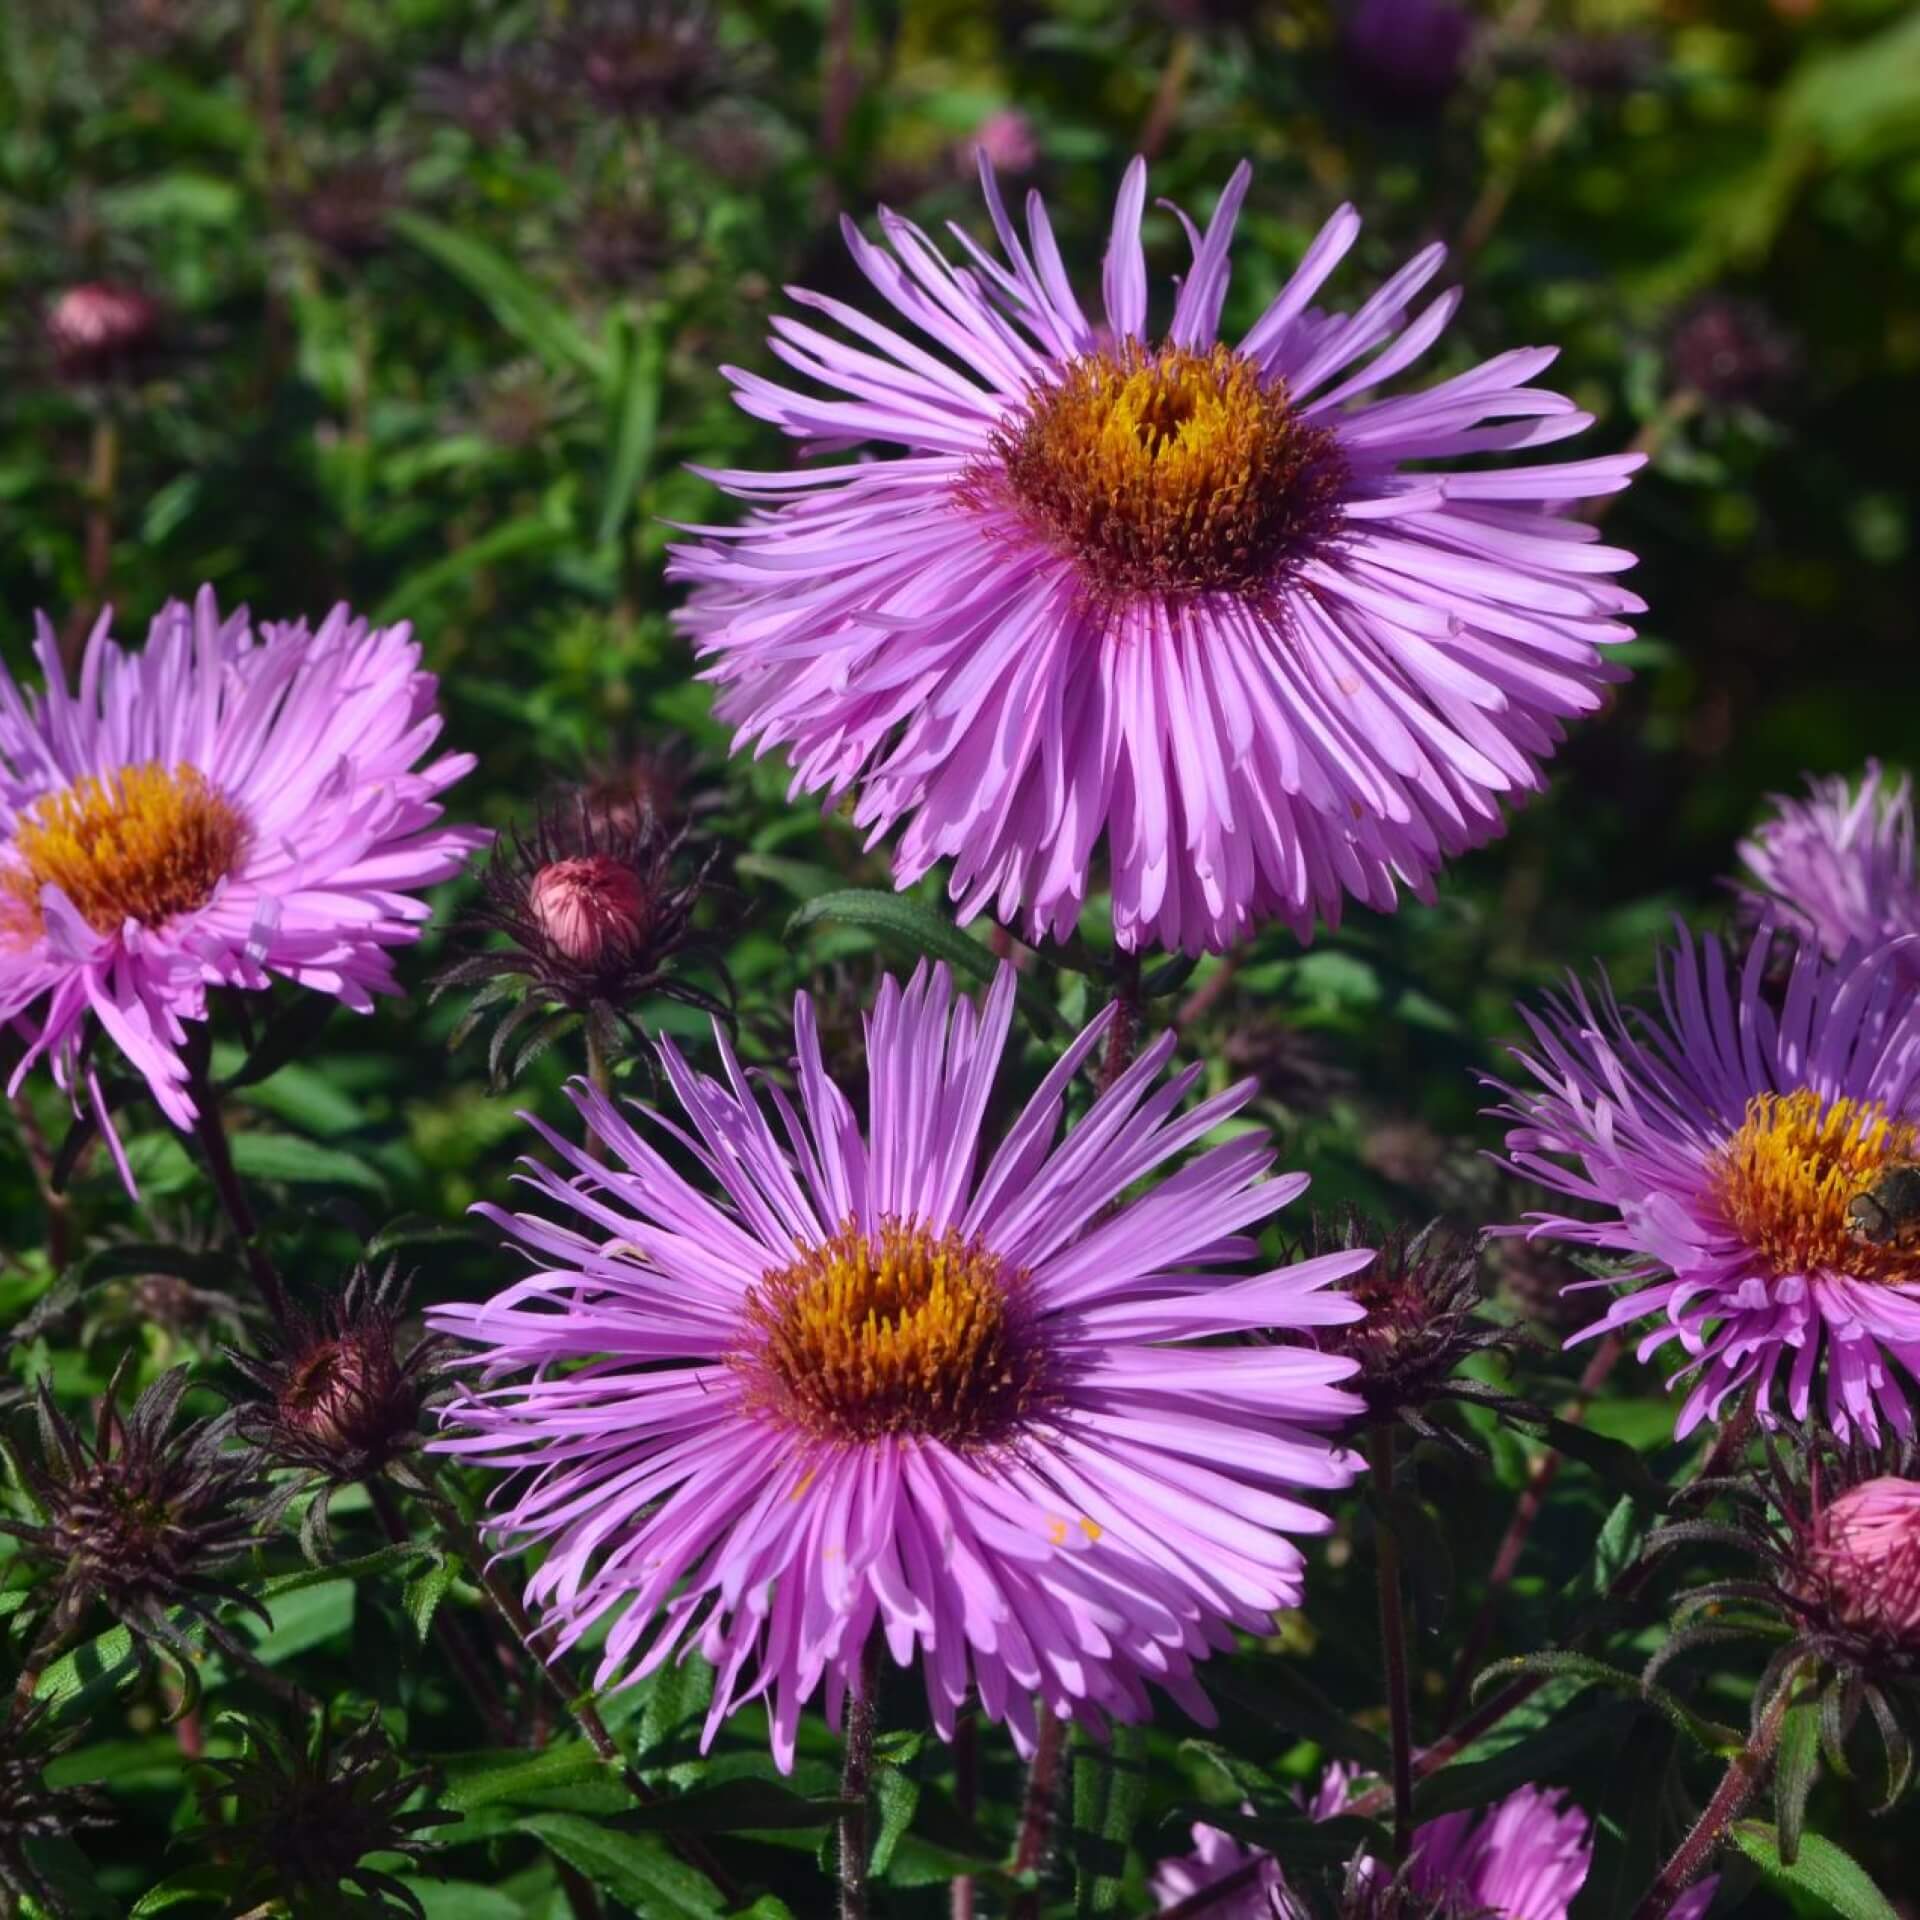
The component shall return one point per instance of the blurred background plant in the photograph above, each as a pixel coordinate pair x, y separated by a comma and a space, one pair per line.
421, 306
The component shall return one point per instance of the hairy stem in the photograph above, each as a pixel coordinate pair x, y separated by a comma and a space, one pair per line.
1742, 1779
1393, 1640
1036, 1809
856, 1782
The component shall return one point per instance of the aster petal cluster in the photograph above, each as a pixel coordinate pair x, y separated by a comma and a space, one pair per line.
221, 808
1736, 1150
848, 1384
1182, 599
1838, 867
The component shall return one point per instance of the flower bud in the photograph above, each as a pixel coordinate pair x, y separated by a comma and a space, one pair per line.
98, 326
591, 909
1865, 1555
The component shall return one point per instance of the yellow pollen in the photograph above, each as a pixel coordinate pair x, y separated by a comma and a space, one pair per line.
1797, 1181
1168, 472
901, 1332
143, 844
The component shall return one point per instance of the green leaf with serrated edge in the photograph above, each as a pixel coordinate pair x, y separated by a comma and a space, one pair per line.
907, 923
671, 1721
1833, 1880
1710, 1736
482, 1779
425, 1590
632, 1867
896, 1796
416, 1230
383, 1560
215, 1885
1795, 1769
734, 1806
1109, 1789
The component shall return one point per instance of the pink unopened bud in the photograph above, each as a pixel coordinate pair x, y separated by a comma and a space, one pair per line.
92, 325
591, 909
1866, 1554
1006, 138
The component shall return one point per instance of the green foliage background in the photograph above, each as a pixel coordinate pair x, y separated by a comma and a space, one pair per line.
458, 379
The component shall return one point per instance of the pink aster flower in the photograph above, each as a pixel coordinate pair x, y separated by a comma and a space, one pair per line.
1524, 1858
1838, 867
217, 809
1746, 1156
907, 1386
1186, 599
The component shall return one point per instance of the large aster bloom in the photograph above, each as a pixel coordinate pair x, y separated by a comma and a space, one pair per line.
220, 808
1838, 867
1745, 1157
1176, 594
901, 1385
1524, 1858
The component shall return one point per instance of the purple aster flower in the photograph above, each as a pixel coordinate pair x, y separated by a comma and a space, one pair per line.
897, 1385
1748, 1152
215, 810
1176, 596
1524, 1858
1839, 866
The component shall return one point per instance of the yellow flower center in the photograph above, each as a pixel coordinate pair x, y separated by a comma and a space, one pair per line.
1815, 1185
1168, 472
903, 1332
143, 844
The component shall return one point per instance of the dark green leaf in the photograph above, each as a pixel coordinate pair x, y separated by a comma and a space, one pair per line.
1794, 1772
202, 1884
896, 1794
296, 1162
290, 1036
633, 1867
734, 1806
1833, 1880
919, 929
636, 416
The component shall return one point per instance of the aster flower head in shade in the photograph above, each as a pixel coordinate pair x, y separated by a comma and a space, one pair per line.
1838, 867
225, 807
1742, 1152
141, 1519
596, 915
895, 1383
33, 1812
1421, 1296
308, 1819
1155, 592
340, 1393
